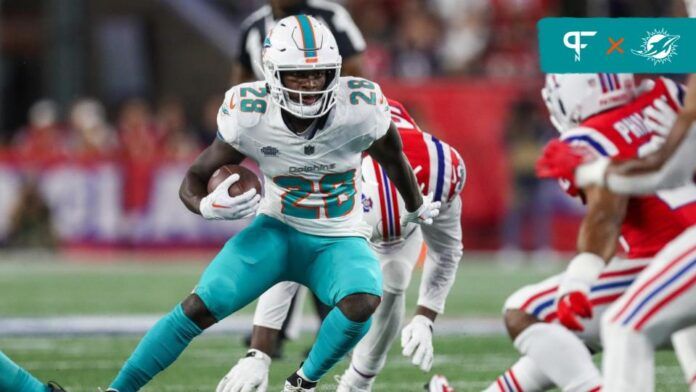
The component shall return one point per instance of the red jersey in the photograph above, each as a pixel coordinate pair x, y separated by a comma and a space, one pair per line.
651, 221
438, 167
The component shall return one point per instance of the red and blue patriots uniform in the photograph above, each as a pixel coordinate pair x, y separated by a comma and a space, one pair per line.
651, 221
438, 167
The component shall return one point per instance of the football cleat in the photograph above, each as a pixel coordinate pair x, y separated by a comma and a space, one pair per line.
54, 387
295, 383
438, 383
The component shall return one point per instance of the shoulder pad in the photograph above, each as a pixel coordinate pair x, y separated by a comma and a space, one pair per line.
249, 101
591, 138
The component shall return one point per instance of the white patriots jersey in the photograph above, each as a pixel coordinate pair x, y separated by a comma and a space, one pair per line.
311, 184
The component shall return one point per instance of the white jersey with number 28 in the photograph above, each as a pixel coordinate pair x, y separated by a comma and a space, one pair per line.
312, 184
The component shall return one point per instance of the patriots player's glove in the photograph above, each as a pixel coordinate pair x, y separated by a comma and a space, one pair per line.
572, 297
220, 205
424, 214
559, 160
659, 117
577, 163
250, 374
417, 341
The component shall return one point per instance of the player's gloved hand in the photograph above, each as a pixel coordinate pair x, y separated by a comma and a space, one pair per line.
576, 163
220, 205
571, 306
424, 214
250, 374
659, 117
559, 160
572, 298
417, 342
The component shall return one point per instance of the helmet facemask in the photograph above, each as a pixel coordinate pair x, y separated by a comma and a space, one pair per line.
283, 96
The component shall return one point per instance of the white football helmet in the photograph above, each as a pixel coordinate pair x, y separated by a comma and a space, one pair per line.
297, 43
572, 98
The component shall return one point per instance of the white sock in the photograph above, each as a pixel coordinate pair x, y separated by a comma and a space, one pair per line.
523, 376
560, 355
370, 354
684, 343
627, 362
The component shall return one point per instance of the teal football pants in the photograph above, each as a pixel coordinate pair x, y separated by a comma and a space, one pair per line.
269, 251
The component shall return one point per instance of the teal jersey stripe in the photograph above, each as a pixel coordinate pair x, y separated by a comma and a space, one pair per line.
307, 36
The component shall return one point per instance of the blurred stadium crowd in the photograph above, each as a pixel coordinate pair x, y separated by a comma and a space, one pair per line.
161, 104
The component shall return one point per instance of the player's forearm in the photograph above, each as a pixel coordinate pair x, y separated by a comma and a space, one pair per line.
601, 227
388, 152
598, 236
192, 190
427, 312
437, 281
264, 339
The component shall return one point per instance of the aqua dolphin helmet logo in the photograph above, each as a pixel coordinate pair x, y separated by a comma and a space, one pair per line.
658, 46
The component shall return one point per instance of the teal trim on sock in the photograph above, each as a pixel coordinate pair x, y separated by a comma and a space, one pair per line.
337, 336
15, 379
158, 349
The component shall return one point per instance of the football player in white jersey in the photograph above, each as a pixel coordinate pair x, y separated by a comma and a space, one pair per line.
440, 171
307, 128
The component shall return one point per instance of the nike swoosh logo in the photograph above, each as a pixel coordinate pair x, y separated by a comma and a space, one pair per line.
232, 105
215, 205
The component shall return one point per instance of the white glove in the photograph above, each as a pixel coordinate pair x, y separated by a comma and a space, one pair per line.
659, 117
424, 214
220, 205
250, 374
417, 341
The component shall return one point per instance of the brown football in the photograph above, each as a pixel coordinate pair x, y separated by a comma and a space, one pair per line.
247, 179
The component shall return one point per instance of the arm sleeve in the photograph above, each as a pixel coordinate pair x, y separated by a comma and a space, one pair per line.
678, 169
444, 240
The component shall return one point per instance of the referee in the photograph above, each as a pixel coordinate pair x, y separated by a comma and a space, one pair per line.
351, 43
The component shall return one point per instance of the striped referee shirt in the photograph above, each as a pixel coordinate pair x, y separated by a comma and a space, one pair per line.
255, 27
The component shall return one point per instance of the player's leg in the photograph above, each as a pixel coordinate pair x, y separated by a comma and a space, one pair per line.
370, 355
248, 264
559, 354
524, 375
684, 343
15, 379
273, 305
345, 274
660, 302
271, 314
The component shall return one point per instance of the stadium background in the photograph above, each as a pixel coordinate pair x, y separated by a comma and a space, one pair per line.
104, 103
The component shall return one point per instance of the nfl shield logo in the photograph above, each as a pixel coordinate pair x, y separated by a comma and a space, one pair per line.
309, 149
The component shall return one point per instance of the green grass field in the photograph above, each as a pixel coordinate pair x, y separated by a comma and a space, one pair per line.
43, 285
